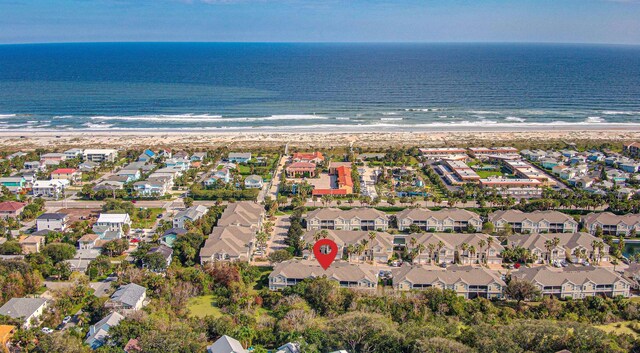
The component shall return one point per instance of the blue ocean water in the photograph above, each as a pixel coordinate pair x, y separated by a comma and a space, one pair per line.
315, 86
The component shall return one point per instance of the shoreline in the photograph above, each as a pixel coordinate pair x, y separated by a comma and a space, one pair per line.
31, 139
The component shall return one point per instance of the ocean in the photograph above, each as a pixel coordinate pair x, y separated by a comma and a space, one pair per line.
332, 87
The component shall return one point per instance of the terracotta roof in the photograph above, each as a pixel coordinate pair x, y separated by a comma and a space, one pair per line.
308, 156
319, 192
11, 206
344, 176
302, 165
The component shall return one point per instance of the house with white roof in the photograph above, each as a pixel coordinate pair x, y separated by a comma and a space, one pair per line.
100, 155
111, 225
50, 188
226, 344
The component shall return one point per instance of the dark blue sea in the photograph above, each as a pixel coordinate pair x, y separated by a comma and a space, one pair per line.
316, 86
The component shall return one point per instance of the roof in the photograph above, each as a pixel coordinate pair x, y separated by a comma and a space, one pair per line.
176, 231
308, 156
339, 271
348, 237
253, 178
192, 213
610, 218
99, 151
243, 213
129, 294
226, 344
232, 240
242, 155
302, 165
452, 240
113, 218
424, 214
449, 276
52, 216
88, 238
317, 192
100, 330
64, 171
344, 176
21, 307
551, 276
566, 240
163, 250
334, 213
11, 206
536, 216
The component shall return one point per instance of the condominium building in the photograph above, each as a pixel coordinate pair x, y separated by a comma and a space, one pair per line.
447, 248
347, 275
574, 247
354, 219
446, 219
356, 246
612, 224
534, 222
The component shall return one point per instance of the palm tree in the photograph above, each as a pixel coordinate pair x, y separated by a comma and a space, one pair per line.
464, 247
372, 238
440, 246
481, 244
489, 243
548, 244
350, 250
431, 247
472, 251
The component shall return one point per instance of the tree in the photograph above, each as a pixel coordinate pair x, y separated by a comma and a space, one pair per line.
11, 247
115, 247
364, 332
520, 290
58, 252
155, 261
279, 256
188, 202
488, 228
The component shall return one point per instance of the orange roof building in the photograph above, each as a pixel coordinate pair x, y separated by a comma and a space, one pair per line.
6, 332
344, 179
315, 157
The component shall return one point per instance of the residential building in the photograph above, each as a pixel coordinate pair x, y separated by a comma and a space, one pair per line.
612, 224
87, 166
226, 344
128, 297
575, 282
239, 157
34, 166
468, 282
314, 157
347, 275
146, 156
500, 183
253, 182
88, 241
243, 213
164, 251
446, 219
355, 219
190, 214
356, 246
534, 222
11, 209
98, 333
228, 243
632, 149
219, 175
153, 187
52, 158
27, 310
111, 225
198, 157
73, 153
462, 172
524, 170
343, 179
31, 244
70, 174
574, 247
14, 184
301, 169
100, 155
130, 174
52, 221
49, 188
447, 248
447, 152
484, 152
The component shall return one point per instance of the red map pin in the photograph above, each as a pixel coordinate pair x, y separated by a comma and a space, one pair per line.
325, 251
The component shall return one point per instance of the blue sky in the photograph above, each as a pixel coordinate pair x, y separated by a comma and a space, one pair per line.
576, 21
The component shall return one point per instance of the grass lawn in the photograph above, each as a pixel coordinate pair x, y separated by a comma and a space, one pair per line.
203, 306
244, 169
146, 222
487, 173
619, 328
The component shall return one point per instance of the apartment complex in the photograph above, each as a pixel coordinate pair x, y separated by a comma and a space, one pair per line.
468, 282
534, 222
612, 224
574, 247
356, 246
290, 273
446, 219
447, 248
575, 281
367, 219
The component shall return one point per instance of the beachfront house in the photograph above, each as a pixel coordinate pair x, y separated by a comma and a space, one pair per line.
239, 157
253, 182
100, 155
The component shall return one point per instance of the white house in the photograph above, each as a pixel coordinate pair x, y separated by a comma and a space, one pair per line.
49, 188
29, 310
253, 182
191, 214
52, 221
100, 155
110, 225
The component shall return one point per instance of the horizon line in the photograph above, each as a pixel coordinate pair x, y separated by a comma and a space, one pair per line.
326, 42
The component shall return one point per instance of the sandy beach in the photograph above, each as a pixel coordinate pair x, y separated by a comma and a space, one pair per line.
15, 140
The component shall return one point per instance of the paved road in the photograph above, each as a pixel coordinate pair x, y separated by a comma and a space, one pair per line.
276, 242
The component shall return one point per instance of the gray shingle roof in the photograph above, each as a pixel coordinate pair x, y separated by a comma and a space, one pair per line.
339, 271
226, 344
536, 216
334, 213
424, 214
21, 307
129, 294
548, 276
52, 216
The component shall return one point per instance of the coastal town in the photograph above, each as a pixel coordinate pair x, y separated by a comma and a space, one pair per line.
91, 237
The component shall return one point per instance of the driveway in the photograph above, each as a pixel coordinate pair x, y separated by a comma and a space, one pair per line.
279, 235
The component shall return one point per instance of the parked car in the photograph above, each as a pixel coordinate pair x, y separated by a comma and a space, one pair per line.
47, 330
66, 320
